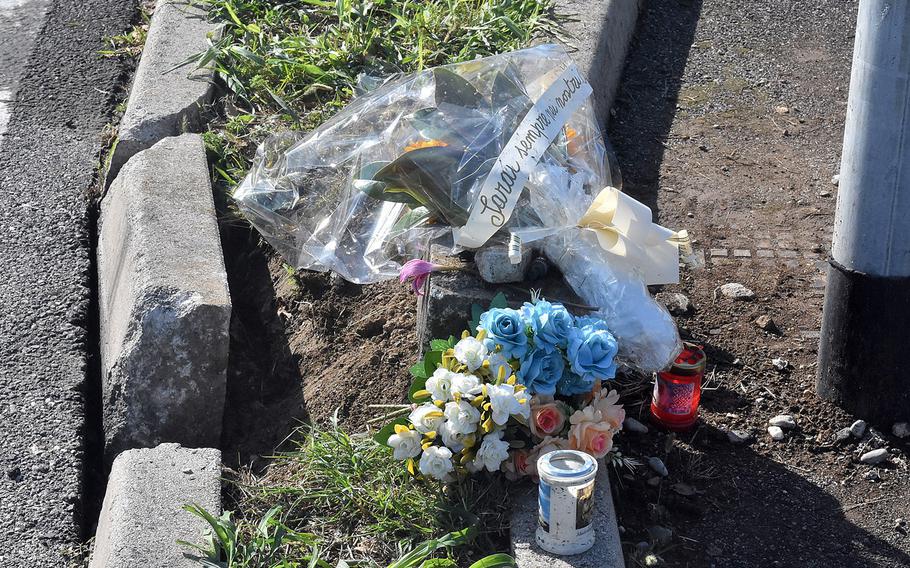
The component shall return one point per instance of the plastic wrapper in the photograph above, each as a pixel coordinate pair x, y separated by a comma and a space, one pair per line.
409, 163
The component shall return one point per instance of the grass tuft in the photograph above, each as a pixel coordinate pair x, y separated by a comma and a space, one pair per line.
349, 498
293, 64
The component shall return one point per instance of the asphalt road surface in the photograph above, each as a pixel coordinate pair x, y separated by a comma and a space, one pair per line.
56, 95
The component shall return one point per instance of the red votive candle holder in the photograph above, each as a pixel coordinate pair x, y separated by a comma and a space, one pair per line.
677, 391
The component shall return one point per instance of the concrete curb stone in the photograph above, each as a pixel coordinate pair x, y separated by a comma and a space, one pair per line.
607, 549
165, 101
164, 302
143, 518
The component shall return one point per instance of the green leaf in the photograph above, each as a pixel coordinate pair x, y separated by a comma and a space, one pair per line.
419, 370
439, 563
432, 361
454, 89
440, 344
413, 218
476, 312
424, 549
495, 561
418, 384
382, 437
427, 174
499, 301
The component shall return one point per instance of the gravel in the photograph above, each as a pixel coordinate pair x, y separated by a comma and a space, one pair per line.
736, 291
858, 428
874, 456
784, 421
658, 466
776, 433
739, 436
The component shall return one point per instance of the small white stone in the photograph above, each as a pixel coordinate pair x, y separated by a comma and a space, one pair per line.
835, 180
738, 436
658, 466
784, 421
736, 291
858, 428
633, 425
901, 429
780, 364
875, 456
776, 433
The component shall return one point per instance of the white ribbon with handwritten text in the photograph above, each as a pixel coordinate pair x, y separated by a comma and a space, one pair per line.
500, 191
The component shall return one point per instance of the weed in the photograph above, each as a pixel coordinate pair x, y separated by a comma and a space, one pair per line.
351, 498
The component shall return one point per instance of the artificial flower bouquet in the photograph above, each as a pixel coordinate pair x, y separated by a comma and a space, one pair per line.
526, 382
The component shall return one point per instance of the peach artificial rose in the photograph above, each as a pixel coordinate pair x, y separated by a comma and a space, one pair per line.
610, 411
547, 418
590, 433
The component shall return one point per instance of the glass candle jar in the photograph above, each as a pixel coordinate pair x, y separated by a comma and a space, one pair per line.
677, 391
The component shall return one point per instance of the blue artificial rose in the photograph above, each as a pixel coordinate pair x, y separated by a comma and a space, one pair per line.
540, 370
550, 322
591, 352
505, 328
571, 384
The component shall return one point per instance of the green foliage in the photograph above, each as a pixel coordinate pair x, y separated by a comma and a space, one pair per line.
339, 500
498, 301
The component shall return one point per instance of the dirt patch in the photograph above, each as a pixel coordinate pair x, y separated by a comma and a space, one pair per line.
305, 345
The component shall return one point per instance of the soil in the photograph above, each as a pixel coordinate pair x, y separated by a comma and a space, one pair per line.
728, 123
305, 346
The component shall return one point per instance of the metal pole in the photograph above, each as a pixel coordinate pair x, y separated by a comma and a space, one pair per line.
864, 350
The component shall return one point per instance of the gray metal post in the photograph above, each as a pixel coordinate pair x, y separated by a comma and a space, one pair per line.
864, 353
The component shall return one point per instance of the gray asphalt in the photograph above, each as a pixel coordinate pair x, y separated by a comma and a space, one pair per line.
62, 94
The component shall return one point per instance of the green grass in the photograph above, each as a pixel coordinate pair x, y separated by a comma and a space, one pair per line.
340, 497
292, 64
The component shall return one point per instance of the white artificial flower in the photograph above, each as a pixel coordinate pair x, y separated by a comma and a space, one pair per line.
452, 439
493, 451
436, 462
465, 385
504, 403
426, 417
471, 352
498, 361
461, 417
405, 443
440, 384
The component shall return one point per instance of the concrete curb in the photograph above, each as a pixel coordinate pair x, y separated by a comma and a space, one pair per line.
607, 550
143, 518
164, 309
165, 100
163, 300
601, 35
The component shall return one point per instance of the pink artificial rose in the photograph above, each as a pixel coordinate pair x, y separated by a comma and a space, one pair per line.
595, 438
590, 433
547, 419
518, 464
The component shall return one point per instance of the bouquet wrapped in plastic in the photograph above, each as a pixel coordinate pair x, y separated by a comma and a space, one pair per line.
504, 149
